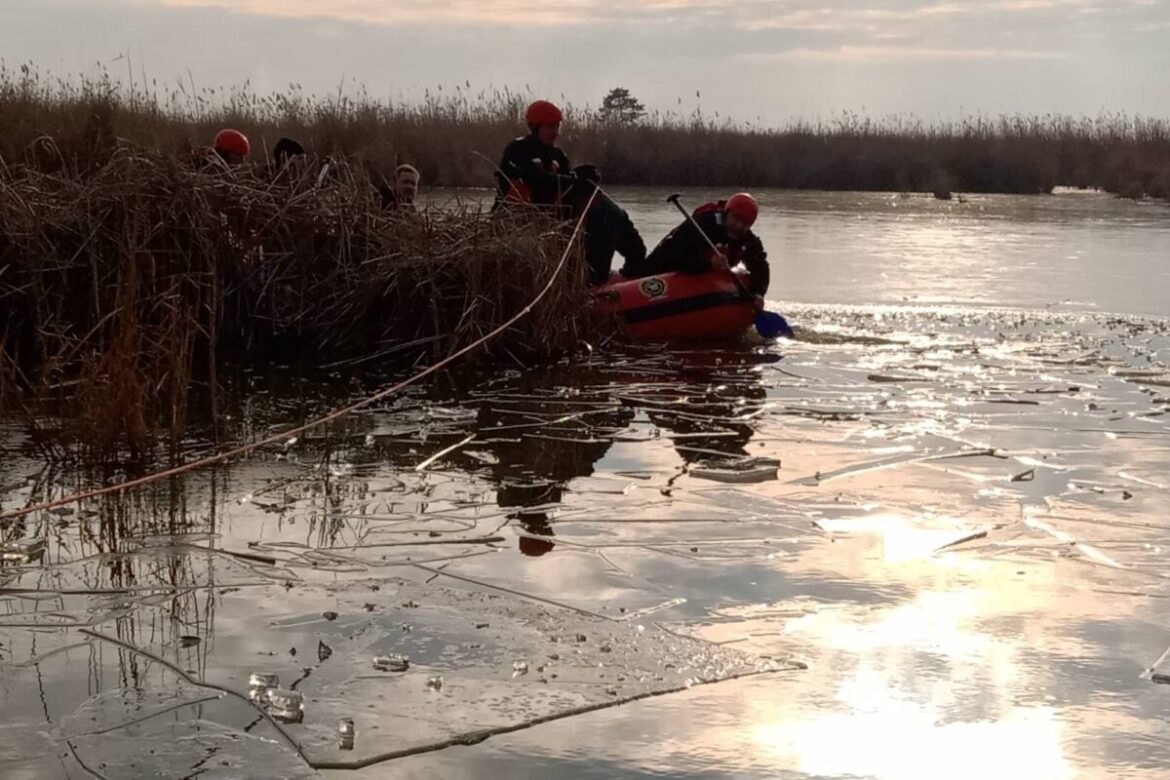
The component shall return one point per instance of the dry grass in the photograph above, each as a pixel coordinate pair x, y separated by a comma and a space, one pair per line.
1010, 154
123, 279
442, 135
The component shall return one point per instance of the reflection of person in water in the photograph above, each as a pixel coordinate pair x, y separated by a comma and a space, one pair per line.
533, 473
726, 441
526, 498
718, 393
537, 524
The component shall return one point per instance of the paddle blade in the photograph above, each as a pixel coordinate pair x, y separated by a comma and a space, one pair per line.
769, 324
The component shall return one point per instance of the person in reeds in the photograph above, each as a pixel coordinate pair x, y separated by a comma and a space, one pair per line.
533, 169
608, 228
286, 155
229, 150
232, 147
401, 193
728, 224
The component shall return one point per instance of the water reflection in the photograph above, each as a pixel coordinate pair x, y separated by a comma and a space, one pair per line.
1072, 252
961, 543
699, 413
533, 470
705, 421
1017, 653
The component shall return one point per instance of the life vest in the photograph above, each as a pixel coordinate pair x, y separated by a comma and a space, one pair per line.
715, 205
519, 192
718, 207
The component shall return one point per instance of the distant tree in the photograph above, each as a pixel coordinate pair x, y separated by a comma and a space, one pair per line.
621, 108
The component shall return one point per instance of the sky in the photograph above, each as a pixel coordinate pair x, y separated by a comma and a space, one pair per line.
758, 61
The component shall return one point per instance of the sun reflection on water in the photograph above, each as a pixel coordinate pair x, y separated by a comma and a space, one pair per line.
888, 737
890, 722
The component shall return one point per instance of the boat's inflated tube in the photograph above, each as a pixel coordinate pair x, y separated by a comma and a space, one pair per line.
678, 306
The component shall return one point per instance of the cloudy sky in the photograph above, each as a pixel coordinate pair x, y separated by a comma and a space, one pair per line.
754, 60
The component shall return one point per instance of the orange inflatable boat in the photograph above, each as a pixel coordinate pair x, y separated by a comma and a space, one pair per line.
678, 306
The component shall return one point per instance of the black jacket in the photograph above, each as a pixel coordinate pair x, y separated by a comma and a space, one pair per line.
543, 171
684, 249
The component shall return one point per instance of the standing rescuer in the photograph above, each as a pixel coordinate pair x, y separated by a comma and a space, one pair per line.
728, 223
533, 169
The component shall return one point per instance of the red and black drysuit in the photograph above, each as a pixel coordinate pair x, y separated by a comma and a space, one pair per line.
532, 172
684, 249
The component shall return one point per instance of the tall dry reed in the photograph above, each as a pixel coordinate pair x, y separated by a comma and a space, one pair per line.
125, 278
446, 134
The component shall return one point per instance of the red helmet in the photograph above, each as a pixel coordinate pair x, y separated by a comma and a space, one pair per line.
543, 112
743, 206
229, 140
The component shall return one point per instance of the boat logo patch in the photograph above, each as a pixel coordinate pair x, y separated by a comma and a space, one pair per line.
653, 287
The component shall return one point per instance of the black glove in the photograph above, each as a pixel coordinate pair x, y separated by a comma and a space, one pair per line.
753, 248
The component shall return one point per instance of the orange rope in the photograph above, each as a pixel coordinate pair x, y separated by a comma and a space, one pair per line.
332, 416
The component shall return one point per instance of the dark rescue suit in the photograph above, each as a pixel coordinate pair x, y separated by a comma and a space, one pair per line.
684, 249
532, 172
608, 229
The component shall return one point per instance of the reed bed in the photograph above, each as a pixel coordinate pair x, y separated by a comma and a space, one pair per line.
129, 280
454, 136
129, 276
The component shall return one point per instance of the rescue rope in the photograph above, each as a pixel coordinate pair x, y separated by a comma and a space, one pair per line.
277, 438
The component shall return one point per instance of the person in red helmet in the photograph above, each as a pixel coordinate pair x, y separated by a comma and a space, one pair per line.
232, 146
533, 169
728, 223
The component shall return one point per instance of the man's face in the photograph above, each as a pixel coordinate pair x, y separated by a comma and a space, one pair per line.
548, 134
406, 187
735, 225
233, 159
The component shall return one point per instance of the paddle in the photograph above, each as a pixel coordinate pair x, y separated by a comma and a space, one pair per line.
769, 324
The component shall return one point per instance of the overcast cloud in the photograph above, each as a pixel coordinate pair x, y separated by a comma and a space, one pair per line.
754, 60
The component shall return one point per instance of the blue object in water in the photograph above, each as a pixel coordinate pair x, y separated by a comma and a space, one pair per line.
769, 324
